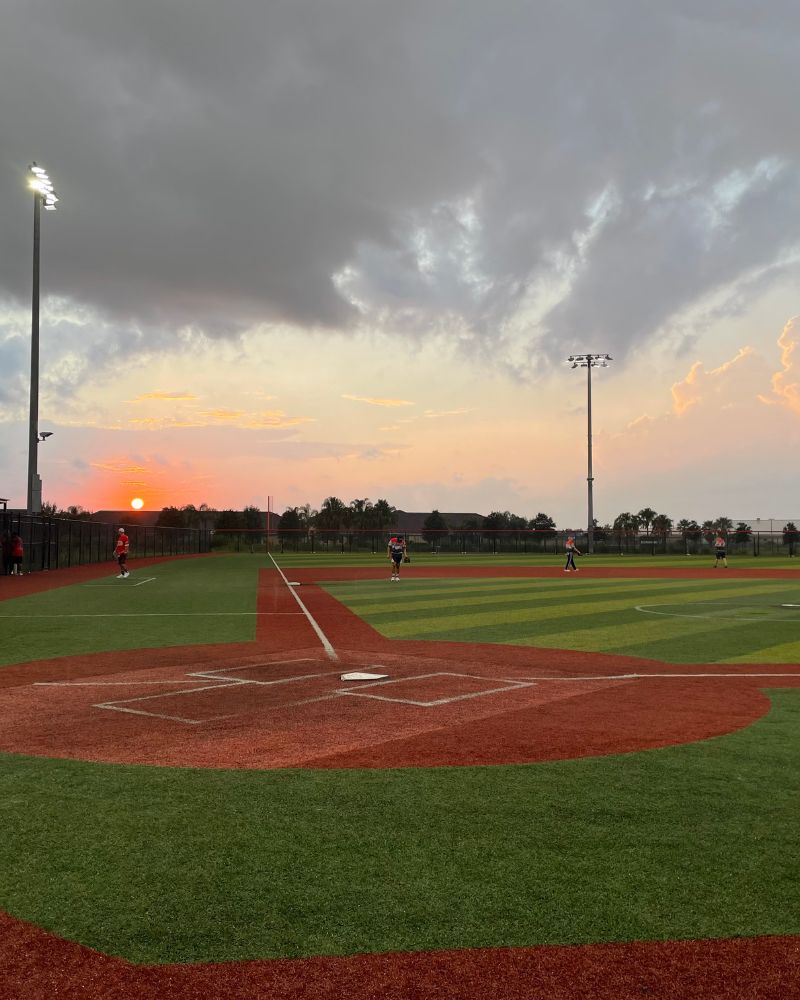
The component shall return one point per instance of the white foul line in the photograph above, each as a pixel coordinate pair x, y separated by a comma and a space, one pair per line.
320, 634
628, 677
148, 580
68, 684
167, 614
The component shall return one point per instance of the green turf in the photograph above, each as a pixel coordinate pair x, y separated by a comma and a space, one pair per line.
696, 621
213, 601
199, 865
743, 562
189, 602
188, 865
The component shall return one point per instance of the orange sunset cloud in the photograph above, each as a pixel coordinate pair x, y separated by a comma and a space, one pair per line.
785, 383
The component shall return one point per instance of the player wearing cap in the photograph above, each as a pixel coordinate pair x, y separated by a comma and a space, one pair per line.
396, 552
121, 553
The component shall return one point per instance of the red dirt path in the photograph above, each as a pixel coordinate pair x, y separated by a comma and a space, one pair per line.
603, 717
40, 966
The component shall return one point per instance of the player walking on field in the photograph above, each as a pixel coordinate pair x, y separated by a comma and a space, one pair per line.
720, 550
572, 551
396, 552
121, 553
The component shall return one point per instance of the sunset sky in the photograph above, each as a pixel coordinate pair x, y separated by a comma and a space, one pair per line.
344, 248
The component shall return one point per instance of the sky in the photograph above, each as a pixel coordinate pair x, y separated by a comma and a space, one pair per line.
306, 249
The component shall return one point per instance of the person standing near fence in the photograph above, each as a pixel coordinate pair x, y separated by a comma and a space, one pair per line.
572, 551
17, 553
720, 550
121, 553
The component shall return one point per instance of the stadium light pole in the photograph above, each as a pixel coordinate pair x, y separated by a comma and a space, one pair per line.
589, 361
43, 194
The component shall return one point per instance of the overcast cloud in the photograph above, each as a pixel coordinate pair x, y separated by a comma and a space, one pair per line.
521, 176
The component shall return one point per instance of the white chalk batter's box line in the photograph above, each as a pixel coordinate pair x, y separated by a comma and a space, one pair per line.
219, 673
121, 704
508, 685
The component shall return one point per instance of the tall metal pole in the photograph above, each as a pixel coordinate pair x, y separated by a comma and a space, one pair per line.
34, 502
589, 476
43, 194
589, 361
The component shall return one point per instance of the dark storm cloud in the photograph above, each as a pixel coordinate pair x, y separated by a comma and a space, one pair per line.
220, 164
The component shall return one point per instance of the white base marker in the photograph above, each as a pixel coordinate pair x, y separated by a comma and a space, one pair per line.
360, 675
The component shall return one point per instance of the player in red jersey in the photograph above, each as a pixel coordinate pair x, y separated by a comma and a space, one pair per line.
121, 553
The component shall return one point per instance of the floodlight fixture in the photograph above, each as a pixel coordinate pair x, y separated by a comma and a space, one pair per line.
44, 435
40, 183
589, 361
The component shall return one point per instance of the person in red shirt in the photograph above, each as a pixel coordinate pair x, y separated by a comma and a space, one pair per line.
17, 552
121, 553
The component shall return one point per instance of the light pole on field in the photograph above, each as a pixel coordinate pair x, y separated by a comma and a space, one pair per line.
589, 361
43, 194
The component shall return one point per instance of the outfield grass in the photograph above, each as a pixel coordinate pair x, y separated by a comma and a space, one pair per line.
188, 865
426, 558
728, 620
194, 602
189, 602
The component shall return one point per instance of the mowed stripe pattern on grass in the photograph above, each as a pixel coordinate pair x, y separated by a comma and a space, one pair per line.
590, 615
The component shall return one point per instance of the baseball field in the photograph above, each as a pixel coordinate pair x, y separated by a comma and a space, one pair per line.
547, 785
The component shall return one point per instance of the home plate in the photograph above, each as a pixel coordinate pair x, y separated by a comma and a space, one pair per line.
360, 675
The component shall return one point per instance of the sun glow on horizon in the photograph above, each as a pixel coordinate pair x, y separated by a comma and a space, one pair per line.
137, 503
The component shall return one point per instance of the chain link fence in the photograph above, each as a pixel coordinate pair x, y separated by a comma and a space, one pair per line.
55, 543
515, 541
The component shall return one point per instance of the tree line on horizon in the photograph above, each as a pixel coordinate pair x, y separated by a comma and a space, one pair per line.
334, 517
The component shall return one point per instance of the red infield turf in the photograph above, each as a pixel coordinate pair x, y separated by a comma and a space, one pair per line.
442, 704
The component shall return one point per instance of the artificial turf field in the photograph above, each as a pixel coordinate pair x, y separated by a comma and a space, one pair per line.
567, 766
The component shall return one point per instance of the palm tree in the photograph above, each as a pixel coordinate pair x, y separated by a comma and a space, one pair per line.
645, 518
689, 529
330, 517
626, 523
384, 514
662, 525
360, 513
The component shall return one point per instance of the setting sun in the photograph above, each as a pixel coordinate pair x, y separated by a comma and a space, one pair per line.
137, 503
